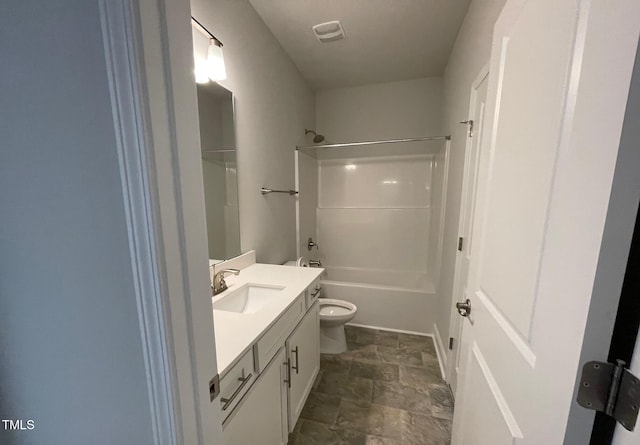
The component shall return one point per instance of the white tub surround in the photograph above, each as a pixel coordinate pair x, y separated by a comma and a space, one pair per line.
236, 333
378, 235
387, 299
386, 307
378, 208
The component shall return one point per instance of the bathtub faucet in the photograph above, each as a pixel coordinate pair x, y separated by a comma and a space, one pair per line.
311, 244
314, 263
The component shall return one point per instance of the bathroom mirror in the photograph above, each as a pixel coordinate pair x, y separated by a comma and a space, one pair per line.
218, 144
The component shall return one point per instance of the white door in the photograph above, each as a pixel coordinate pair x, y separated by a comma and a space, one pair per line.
472, 157
558, 83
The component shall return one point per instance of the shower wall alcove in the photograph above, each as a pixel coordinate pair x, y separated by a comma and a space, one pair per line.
376, 213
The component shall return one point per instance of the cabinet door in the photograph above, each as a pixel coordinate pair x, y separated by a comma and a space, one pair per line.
303, 349
260, 417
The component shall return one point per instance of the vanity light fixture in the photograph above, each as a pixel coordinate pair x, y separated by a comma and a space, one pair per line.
215, 61
213, 67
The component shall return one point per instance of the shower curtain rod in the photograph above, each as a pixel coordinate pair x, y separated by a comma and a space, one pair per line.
384, 141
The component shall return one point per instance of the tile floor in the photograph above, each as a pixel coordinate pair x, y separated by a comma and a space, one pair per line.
385, 390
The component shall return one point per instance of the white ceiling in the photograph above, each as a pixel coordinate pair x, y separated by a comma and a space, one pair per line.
385, 40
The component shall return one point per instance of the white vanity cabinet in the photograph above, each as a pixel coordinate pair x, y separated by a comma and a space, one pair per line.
260, 417
263, 390
303, 350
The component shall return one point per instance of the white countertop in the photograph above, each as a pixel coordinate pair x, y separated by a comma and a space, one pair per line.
236, 333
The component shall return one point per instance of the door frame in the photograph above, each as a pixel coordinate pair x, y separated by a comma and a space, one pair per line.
613, 258
455, 330
150, 79
625, 198
625, 333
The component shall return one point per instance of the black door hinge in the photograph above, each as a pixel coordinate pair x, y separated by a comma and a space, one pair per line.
611, 389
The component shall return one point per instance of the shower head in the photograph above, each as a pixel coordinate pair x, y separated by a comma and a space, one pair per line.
317, 138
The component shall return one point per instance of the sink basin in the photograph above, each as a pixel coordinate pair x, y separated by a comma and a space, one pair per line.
248, 299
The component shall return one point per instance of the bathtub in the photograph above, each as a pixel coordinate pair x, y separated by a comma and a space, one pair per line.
400, 300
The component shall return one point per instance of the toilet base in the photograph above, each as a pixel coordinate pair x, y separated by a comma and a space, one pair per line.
332, 339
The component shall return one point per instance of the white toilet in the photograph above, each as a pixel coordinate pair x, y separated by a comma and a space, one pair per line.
300, 262
333, 316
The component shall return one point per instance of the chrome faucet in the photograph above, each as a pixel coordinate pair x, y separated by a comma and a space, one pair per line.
315, 263
219, 285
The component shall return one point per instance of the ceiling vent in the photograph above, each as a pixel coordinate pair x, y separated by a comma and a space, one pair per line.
329, 31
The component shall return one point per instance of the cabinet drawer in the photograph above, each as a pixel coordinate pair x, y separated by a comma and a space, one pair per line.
236, 382
272, 340
314, 291
260, 418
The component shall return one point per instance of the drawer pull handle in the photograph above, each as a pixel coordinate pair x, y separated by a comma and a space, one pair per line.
313, 295
244, 381
295, 351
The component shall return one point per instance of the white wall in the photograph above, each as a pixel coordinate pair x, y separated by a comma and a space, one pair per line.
409, 108
273, 106
71, 355
470, 53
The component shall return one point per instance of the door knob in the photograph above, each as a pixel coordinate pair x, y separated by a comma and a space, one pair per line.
464, 309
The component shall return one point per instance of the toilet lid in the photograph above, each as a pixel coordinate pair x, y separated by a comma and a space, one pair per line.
332, 309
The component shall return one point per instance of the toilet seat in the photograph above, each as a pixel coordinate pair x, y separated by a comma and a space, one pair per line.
330, 308
333, 315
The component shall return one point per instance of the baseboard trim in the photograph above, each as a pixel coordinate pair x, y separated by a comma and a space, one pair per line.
440, 351
380, 328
